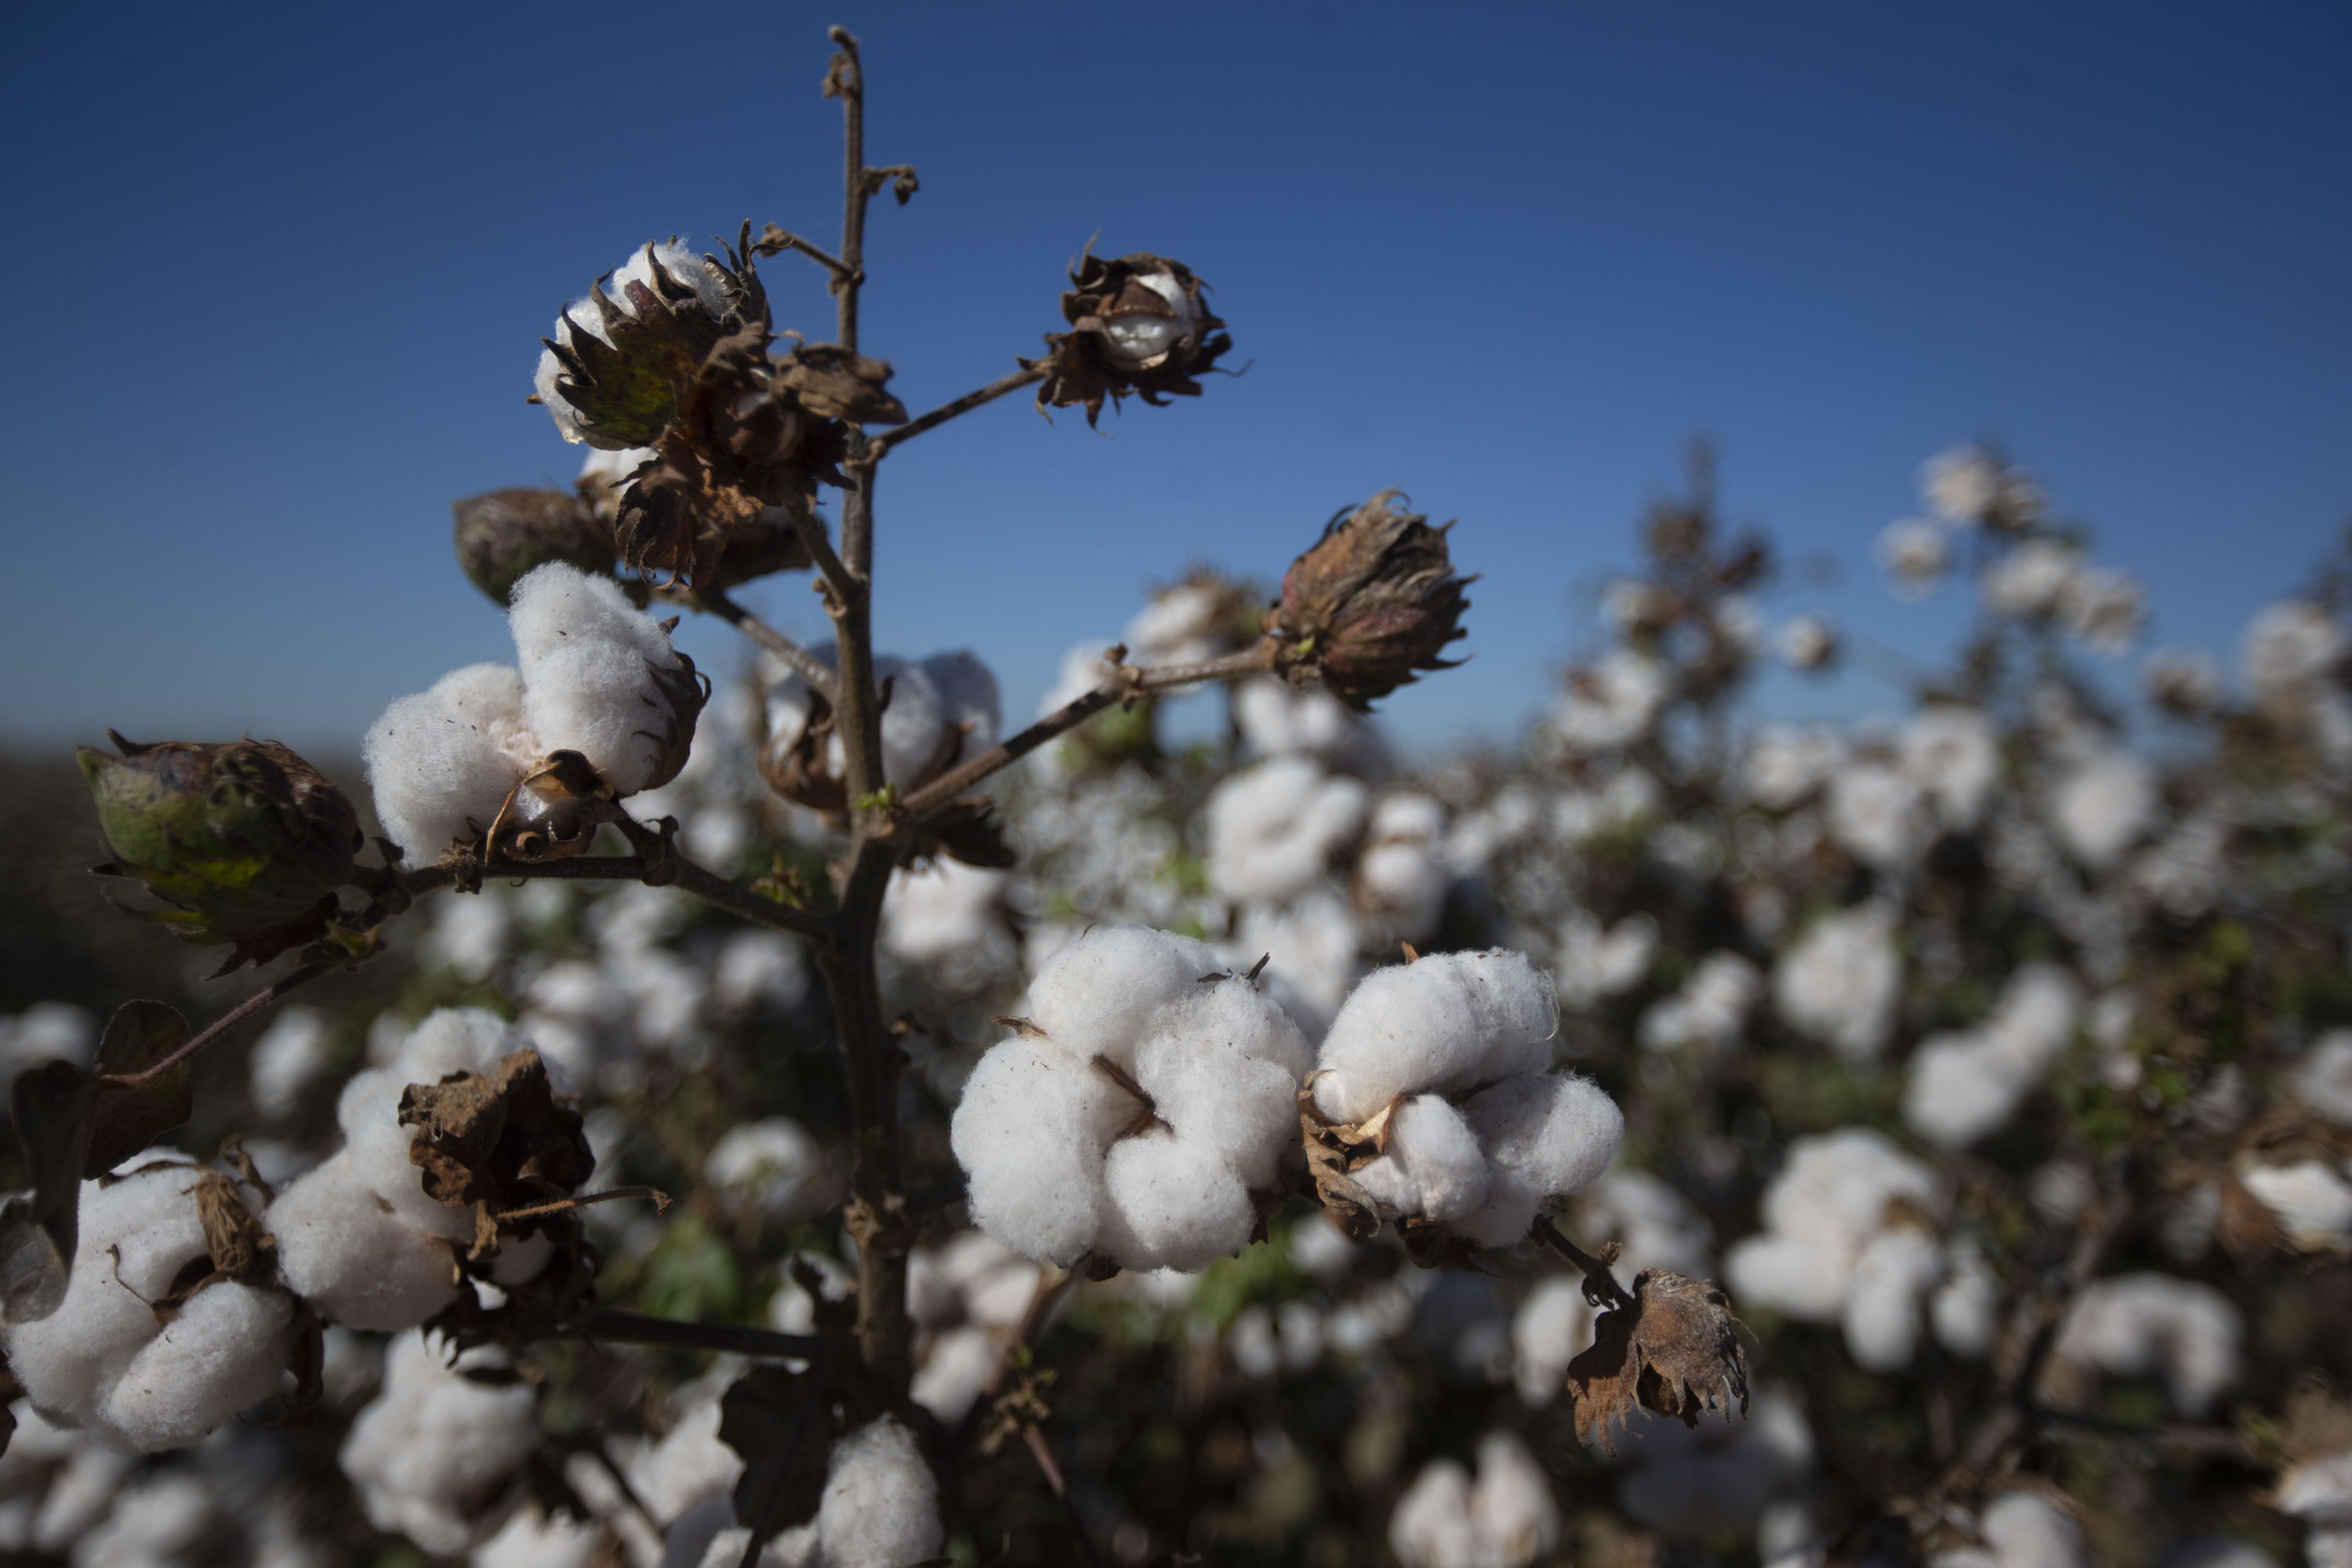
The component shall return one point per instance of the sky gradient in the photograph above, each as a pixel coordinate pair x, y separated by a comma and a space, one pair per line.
279, 272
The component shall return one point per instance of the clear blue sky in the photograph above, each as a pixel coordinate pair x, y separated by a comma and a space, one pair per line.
277, 276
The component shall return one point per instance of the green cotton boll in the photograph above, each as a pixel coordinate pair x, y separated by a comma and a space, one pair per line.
245, 843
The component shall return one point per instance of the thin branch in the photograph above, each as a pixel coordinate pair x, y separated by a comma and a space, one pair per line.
704, 884
1045, 1457
1600, 1281
811, 531
847, 78
806, 665
615, 1327
564, 1206
222, 1025
713, 889
899, 434
1126, 682
783, 240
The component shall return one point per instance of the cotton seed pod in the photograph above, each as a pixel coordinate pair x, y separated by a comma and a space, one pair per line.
1138, 326
503, 534
554, 812
1368, 604
622, 359
245, 842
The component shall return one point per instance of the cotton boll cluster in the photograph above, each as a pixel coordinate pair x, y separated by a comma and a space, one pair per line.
1845, 1241
775, 1164
1785, 763
1502, 1518
359, 1239
1401, 872
439, 1442
1482, 1132
1186, 624
969, 1299
2020, 1530
1841, 981
597, 676
1949, 751
1136, 1111
1966, 1085
1611, 704
2152, 1325
881, 1510
1719, 1476
108, 1361
1707, 1015
1881, 815
1277, 829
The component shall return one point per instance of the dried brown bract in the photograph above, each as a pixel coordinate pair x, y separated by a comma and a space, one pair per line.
554, 812
1137, 325
1673, 1350
1372, 601
1334, 1151
504, 1141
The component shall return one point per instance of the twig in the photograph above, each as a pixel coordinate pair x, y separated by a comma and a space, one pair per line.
610, 1195
1045, 1457
894, 438
613, 1327
837, 576
222, 1025
806, 665
1601, 1285
1128, 682
847, 78
783, 240
706, 885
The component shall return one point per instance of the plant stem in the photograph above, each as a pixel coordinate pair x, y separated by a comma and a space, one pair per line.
784, 240
1599, 1279
846, 76
1126, 681
621, 1328
222, 1025
806, 665
890, 439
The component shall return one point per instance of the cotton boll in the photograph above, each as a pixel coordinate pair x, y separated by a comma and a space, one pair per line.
1431, 1527
1433, 1166
1552, 1327
1276, 828
2312, 1203
1808, 641
290, 1054
2323, 1080
2320, 1490
689, 1466
950, 914
1225, 1072
435, 1442
1914, 552
1612, 703
1594, 963
1841, 981
2032, 580
1028, 1134
1785, 763
2021, 1531
1708, 1013
1511, 1508
1423, 1026
2104, 607
588, 662
1099, 995
1655, 1227
1949, 750
1277, 718
757, 970
881, 1504
2103, 806
1402, 873
165, 1519
2137, 1325
1882, 1304
46, 1032
452, 1041
1310, 945
532, 1539
795, 1548
442, 763
1184, 625
2289, 648
774, 1163
1966, 1308
952, 1374
1881, 816
1554, 1133
1183, 1207
345, 1252
469, 935
1833, 1197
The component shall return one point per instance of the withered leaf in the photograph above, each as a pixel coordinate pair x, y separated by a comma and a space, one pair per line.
502, 1140
784, 1424
50, 1106
125, 1119
241, 1248
1672, 1351
1331, 1149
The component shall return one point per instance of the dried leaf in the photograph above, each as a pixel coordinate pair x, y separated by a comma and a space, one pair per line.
241, 1248
124, 1119
50, 1106
1331, 1149
504, 1141
1672, 1350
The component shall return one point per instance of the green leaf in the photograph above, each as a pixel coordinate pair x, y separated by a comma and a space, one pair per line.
51, 1108
124, 1119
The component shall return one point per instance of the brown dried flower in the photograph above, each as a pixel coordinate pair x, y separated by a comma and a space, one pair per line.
1137, 325
1370, 603
1672, 1350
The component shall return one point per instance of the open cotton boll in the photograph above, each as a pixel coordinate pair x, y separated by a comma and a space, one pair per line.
1223, 1069
220, 1353
1184, 625
2103, 806
1611, 703
354, 1261
1029, 1132
1708, 1013
1176, 1204
1963, 1087
1277, 718
689, 1466
161, 1521
1881, 816
1785, 763
2289, 648
2021, 1531
1834, 1196
1840, 982
949, 911
1433, 1166
1544, 1137
2323, 1080
1882, 1303
293, 1051
530, 1537
452, 1041
1949, 750
436, 1443
881, 1506
2141, 1325
2312, 1203
1511, 1508
588, 661
1101, 994
1431, 1527
1310, 945
2033, 579
1442, 1025
774, 1161
1276, 828
1403, 873
1967, 1307
1594, 963
1552, 1327
440, 765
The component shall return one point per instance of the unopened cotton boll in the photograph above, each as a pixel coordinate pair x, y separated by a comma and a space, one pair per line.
881, 1507
435, 1444
442, 763
1276, 828
583, 317
591, 667
1063, 1158
2141, 1325
1841, 981
345, 1252
1612, 703
2103, 806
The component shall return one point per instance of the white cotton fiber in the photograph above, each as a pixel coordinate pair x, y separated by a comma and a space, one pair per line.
440, 763
774, 1161
2323, 1080
1839, 1199
1224, 1070
1967, 1306
1841, 981
2140, 1325
794, 1548
1098, 995
2312, 1203
532, 1539
1433, 1166
1881, 1303
1276, 828
1963, 1087
2021, 1531
159, 1522
1511, 1508
1027, 1135
1654, 1226
690, 1464
1555, 1132
452, 1041
881, 1507
436, 1443
588, 658
1552, 1327
1443, 1024
1184, 1207
220, 1353
341, 1248
1431, 1527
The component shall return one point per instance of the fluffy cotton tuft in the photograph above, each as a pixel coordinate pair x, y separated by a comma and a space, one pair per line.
1708, 1013
1949, 751
2323, 1080
774, 1163
2144, 1325
1276, 828
588, 661
1966, 1085
1613, 703
881, 1507
2021, 1531
944, 710
1505, 1518
2104, 806
1063, 1159
440, 763
1840, 982
102, 1361
436, 1444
